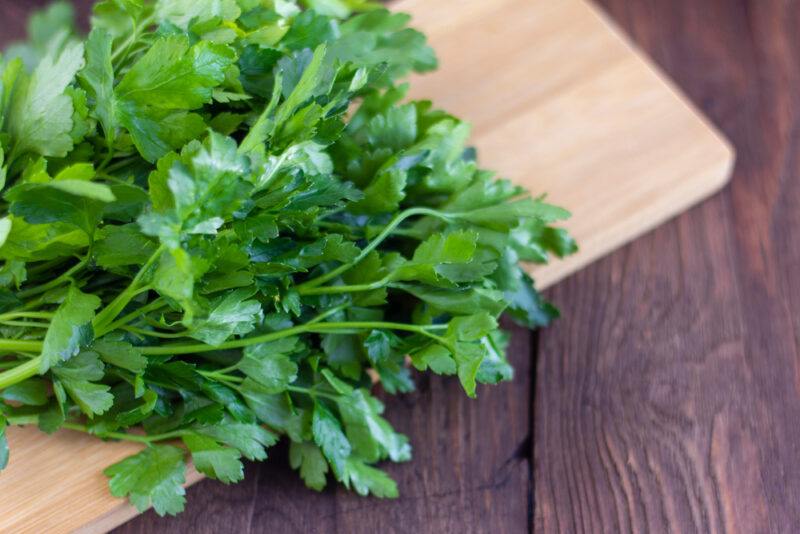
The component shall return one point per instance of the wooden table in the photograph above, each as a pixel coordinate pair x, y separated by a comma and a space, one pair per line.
667, 399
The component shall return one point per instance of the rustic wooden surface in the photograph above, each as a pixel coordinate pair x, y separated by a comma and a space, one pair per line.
669, 400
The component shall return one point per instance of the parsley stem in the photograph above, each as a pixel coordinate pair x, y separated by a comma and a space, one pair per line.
138, 438
139, 312
323, 328
327, 290
16, 345
121, 163
311, 392
20, 373
26, 315
152, 333
105, 317
45, 267
387, 231
26, 324
319, 328
65, 277
219, 376
322, 316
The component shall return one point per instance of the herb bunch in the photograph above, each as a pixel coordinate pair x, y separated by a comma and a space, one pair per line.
224, 224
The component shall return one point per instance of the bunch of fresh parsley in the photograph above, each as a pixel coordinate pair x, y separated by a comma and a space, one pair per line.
223, 224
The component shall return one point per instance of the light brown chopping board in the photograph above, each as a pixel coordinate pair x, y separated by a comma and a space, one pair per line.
560, 102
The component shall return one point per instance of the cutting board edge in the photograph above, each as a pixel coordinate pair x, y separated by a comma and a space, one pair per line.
124, 512
672, 86
713, 183
559, 270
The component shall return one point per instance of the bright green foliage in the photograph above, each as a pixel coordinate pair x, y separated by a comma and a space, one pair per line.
70, 328
152, 477
215, 460
223, 224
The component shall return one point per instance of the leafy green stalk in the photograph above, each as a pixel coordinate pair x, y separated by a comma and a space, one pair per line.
223, 224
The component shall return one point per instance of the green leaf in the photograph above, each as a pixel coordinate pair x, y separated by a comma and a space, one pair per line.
378, 345
213, 460
436, 358
308, 458
342, 353
121, 354
315, 80
31, 392
174, 277
76, 202
47, 29
525, 305
370, 435
269, 364
70, 329
276, 411
308, 31
230, 315
78, 377
222, 394
169, 79
461, 301
330, 438
379, 37
97, 79
384, 194
468, 335
154, 477
205, 189
472, 327
173, 74
367, 480
156, 131
250, 439
495, 367
40, 117
444, 259
119, 246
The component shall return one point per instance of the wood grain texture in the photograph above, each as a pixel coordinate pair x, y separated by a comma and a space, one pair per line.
669, 399
583, 130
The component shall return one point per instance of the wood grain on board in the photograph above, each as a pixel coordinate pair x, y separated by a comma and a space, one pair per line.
560, 103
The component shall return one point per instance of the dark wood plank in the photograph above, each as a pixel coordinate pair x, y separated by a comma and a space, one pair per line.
668, 399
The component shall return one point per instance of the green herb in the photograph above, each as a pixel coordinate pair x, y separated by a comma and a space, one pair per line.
225, 225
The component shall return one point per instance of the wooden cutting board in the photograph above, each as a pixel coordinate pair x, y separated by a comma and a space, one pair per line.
560, 102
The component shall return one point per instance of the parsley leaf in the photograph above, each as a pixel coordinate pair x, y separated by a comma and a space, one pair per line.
70, 328
40, 115
214, 460
308, 458
154, 477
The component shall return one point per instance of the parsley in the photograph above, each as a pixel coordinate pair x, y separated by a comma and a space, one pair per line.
224, 225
